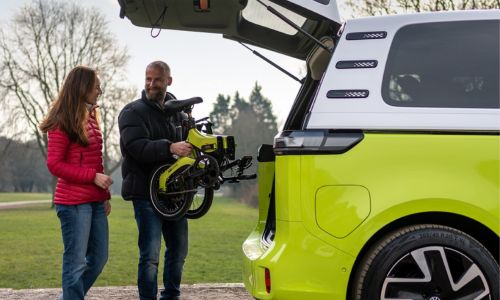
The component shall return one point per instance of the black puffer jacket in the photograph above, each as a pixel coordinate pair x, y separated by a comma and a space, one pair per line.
146, 132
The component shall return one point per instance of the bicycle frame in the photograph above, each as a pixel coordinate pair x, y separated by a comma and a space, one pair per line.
219, 146
183, 161
210, 157
209, 143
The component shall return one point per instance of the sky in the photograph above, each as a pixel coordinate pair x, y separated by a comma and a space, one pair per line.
202, 64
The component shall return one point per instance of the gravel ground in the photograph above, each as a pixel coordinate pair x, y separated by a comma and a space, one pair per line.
218, 291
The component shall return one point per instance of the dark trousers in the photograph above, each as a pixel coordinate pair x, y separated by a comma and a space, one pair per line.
175, 233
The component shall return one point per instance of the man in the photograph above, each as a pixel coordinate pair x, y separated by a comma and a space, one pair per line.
150, 136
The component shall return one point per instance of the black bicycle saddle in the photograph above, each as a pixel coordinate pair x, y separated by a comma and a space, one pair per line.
179, 105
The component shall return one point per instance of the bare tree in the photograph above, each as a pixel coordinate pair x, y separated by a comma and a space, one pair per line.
383, 7
39, 46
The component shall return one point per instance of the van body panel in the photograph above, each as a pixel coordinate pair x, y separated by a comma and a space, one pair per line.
372, 112
301, 267
425, 174
352, 200
407, 174
288, 184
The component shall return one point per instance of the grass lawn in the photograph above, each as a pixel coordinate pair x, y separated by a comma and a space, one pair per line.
8, 197
31, 246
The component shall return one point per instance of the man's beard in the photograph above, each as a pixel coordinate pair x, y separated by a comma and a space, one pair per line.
157, 97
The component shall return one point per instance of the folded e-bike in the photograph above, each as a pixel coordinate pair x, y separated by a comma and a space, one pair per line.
186, 187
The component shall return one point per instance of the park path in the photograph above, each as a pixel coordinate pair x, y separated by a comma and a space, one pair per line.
16, 204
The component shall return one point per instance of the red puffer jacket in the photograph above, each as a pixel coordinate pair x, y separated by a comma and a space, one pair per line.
76, 166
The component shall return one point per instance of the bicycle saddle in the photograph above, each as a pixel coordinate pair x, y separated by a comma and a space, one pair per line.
179, 105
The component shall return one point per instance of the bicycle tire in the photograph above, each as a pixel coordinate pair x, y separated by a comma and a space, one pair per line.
198, 209
170, 208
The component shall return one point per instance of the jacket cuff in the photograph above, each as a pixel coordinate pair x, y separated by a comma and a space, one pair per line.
164, 151
169, 143
92, 173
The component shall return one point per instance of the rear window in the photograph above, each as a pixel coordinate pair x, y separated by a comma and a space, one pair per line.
258, 14
446, 64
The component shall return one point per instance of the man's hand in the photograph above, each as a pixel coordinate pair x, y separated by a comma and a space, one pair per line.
107, 207
103, 181
181, 148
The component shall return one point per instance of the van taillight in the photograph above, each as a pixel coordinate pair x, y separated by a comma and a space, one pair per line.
268, 280
316, 141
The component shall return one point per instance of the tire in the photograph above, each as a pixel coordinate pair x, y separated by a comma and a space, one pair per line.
170, 208
424, 262
201, 203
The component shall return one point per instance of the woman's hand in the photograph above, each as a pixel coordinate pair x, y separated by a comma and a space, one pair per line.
103, 181
107, 207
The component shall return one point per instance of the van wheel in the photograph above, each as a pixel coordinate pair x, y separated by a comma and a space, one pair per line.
427, 262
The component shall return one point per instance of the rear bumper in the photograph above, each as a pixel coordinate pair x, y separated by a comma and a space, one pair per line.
301, 266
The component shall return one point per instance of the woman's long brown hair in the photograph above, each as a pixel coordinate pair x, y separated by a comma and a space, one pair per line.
69, 111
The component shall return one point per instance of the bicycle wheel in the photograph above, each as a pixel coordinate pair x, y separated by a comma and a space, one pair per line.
201, 203
173, 204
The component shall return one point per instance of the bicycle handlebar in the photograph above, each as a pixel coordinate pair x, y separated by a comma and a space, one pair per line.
201, 120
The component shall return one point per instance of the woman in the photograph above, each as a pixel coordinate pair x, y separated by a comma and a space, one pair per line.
82, 196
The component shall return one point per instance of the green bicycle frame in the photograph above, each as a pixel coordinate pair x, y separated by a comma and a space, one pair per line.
204, 142
183, 161
201, 142
209, 143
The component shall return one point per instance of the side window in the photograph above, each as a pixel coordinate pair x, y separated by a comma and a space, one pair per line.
446, 64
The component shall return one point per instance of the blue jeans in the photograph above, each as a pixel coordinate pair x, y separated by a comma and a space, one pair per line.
84, 230
175, 233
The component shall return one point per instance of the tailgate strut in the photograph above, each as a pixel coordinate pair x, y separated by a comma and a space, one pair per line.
272, 63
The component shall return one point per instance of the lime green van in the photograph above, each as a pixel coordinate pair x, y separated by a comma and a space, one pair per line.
384, 182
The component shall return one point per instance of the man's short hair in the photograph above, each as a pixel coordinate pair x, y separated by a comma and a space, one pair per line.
160, 65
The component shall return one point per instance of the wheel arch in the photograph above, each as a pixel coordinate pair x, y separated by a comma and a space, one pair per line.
478, 231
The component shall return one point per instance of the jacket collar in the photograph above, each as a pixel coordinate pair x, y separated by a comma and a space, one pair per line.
153, 104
